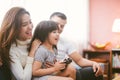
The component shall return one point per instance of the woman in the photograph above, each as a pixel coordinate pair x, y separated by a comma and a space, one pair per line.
15, 35
47, 33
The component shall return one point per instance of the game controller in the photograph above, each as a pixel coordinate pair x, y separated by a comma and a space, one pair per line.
66, 61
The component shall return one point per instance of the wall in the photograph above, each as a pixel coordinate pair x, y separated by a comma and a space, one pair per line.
76, 29
102, 15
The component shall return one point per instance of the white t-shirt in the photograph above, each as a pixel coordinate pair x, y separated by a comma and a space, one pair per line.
65, 48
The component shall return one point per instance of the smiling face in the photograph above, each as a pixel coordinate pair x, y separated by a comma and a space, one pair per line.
61, 22
26, 28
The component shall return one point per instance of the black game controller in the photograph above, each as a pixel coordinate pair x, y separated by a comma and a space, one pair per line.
66, 61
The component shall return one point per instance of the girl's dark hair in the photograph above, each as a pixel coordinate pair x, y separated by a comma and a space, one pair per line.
43, 29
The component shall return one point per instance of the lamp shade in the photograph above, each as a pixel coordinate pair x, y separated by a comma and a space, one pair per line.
116, 25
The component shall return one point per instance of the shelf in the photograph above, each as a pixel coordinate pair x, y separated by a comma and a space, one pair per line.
94, 51
103, 57
115, 49
99, 60
115, 70
112, 57
115, 62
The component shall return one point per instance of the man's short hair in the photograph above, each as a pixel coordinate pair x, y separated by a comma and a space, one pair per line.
59, 14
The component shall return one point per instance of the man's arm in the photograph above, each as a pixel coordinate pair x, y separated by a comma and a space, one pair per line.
85, 62
80, 60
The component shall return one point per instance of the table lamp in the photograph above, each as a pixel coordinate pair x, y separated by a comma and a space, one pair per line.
116, 29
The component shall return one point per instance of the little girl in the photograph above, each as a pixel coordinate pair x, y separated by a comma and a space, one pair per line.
47, 33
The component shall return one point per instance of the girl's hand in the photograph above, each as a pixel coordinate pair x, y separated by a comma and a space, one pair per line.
59, 66
35, 44
49, 65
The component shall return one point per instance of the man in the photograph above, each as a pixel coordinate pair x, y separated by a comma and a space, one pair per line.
66, 48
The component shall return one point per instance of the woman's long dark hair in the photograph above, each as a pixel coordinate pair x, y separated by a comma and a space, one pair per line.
10, 28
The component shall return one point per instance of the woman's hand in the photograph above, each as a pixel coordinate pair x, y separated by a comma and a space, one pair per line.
35, 44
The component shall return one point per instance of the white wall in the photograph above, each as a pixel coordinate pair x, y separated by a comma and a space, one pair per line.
77, 12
